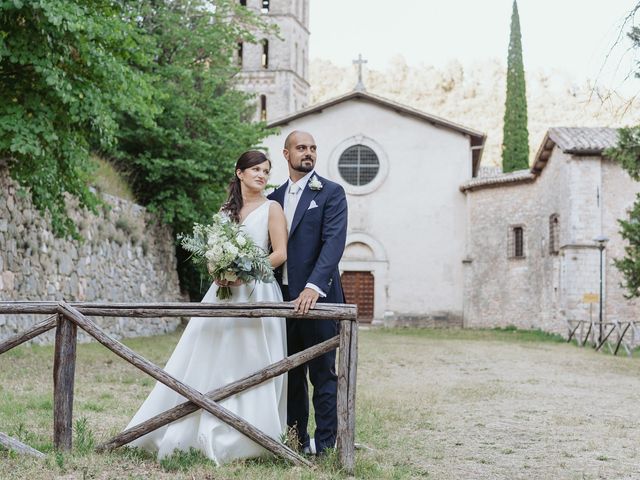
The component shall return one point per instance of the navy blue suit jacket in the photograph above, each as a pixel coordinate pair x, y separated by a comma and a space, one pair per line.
316, 240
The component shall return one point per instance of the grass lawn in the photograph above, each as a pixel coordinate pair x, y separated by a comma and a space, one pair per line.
430, 404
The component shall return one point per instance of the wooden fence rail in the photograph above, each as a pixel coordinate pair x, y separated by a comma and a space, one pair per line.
17, 446
615, 334
66, 317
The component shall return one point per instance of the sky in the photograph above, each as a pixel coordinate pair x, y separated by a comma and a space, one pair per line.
575, 37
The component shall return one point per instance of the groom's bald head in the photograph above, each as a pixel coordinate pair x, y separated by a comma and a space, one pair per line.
293, 135
300, 153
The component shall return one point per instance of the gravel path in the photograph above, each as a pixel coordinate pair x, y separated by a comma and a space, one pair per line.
463, 408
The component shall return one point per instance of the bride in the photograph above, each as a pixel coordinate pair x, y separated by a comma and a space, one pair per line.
213, 352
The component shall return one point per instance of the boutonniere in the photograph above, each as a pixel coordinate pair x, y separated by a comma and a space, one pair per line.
315, 184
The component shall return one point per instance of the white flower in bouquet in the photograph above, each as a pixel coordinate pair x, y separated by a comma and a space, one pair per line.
211, 256
231, 249
227, 253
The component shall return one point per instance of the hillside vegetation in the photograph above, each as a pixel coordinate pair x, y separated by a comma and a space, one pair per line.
474, 96
107, 179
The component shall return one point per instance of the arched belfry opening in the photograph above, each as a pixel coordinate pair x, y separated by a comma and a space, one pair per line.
263, 108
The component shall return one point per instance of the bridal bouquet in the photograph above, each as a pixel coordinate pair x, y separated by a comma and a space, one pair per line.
227, 252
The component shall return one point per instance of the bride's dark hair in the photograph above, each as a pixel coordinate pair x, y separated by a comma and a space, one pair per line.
234, 203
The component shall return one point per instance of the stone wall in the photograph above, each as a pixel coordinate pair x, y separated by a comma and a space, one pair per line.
125, 257
501, 290
539, 290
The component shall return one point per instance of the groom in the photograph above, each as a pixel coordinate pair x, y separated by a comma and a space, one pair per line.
316, 212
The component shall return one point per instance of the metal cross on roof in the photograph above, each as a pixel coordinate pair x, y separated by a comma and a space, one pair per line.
360, 62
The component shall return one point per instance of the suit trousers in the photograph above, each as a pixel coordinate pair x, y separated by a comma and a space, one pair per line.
302, 334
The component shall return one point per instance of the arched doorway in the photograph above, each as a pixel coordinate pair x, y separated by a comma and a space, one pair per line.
364, 273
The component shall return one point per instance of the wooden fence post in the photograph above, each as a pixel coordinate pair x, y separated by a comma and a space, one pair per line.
64, 366
347, 394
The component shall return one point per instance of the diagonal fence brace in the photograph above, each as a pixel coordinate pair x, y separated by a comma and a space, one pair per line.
39, 328
17, 446
184, 409
185, 390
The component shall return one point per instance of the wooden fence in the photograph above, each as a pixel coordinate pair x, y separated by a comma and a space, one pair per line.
613, 334
67, 317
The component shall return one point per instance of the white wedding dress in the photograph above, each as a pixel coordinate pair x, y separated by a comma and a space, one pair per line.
213, 352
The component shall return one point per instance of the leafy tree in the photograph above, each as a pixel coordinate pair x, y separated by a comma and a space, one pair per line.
180, 165
515, 141
627, 153
64, 74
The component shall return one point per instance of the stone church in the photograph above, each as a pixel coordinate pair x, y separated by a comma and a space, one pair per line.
435, 239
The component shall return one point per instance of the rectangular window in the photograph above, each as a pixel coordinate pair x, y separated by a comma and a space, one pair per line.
554, 234
240, 53
516, 241
265, 6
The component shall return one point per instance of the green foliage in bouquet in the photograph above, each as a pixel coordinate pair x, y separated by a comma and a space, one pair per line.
227, 252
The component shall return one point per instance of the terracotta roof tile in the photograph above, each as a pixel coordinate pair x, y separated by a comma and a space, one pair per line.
584, 140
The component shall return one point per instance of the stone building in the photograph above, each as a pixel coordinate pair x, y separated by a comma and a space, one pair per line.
276, 68
401, 169
532, 258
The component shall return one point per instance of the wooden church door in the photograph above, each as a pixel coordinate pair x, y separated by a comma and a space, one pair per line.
358, 288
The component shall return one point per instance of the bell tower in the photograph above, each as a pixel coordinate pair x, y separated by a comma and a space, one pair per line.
276, 69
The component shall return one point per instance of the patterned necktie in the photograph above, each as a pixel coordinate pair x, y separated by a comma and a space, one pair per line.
294, 188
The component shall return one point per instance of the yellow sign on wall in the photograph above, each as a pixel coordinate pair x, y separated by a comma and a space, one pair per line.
590, 298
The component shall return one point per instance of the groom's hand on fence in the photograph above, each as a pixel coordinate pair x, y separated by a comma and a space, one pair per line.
306, 301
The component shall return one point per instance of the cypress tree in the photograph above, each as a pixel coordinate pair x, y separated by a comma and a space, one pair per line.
515, 140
